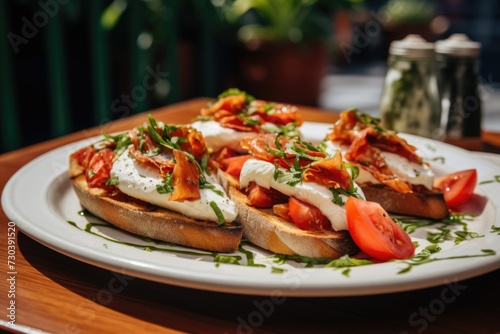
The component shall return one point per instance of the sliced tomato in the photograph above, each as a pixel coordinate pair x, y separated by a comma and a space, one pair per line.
457, 187
282, 210
264, 198
374, 231
308, 217
234, 165
223, 153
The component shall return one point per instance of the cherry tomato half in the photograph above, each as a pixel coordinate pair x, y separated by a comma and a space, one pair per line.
308, 217
457, 187
235, 164
261, 197
374, 231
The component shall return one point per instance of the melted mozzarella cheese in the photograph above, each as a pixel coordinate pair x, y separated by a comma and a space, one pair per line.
262, 173
139, 182
404, 169
217, 137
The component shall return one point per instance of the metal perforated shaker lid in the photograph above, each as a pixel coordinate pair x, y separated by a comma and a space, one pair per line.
458, 45
412, 46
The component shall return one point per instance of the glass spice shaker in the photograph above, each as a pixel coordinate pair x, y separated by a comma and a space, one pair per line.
410, 100
458, 65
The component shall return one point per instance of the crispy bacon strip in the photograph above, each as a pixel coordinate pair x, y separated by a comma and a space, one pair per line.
185, 179
163, 161
277, 113
347, 127
84, 155
260, 147
330, 172
370, 159
156, 156
232, 104
237, 123
98, 170
195, 143
365, 144
233, 112
96, 164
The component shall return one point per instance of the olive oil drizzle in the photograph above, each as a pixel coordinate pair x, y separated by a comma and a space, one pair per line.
149, 248
169, 247
345, 263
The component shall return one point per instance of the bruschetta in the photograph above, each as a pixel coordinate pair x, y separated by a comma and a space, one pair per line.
296, 199
155, 181
290, 196
236, 114
391, 171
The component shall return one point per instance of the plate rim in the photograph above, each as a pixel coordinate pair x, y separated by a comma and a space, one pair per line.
111, 263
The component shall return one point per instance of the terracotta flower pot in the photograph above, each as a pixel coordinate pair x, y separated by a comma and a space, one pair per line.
283, 72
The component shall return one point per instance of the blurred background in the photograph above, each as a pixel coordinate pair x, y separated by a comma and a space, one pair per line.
67, 65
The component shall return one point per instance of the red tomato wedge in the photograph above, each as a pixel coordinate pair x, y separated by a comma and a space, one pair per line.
261, 197
308, 217
375, 233
282, 210
234, 165
457, 187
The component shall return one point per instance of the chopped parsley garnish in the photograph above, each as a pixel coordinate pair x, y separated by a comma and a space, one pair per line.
122, 141
207, 185
291, 177
269, 108
443, 229
166, 185
425, 256
339, 192
112, 181
154, 152
495, 229
276, 152
218, 212
248, 120
368, 120
354, 170
235, 91
346, 261
220, 258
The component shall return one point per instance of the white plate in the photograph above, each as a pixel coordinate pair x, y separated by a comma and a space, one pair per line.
493, 157
40, 200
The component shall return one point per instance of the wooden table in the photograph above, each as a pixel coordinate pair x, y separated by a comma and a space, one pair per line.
58, 294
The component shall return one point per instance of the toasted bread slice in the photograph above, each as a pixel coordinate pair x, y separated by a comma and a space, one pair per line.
151, 221
424, 204
264, 229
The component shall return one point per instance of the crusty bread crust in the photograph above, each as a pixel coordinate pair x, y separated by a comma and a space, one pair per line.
264, 229
430, 204
151, 221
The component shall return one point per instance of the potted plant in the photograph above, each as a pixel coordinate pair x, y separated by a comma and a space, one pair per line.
401, 18
283, 47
